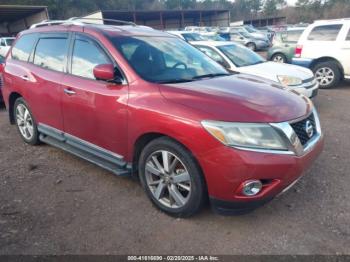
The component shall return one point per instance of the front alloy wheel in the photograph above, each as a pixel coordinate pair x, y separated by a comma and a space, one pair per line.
168, 179
171, 177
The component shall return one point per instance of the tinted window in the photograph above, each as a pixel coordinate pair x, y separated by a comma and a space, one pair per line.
2, 43
192, 37
213, 55
348, 36
9, 41
50, 53
325, 33
86, 56
293, 36
240, 55
23, 47
166, 59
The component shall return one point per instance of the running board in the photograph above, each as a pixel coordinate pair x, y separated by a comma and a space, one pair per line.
89, 156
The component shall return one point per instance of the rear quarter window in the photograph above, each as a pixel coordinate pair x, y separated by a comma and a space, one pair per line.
23, 47
325, 33
348, 36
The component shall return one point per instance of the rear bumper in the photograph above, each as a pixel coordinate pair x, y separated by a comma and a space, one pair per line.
304, 62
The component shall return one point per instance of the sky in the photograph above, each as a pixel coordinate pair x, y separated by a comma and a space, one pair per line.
291, 2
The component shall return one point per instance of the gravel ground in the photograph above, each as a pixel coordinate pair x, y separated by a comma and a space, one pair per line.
54, 203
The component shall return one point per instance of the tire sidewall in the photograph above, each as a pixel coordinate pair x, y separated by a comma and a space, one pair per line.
35, 138
252, 45
197, 185
335, 70
281, 55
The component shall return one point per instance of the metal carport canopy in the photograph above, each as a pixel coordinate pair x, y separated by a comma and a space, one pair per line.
11, 13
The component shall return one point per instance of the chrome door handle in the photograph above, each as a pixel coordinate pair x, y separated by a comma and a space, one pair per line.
25, 78
69, 92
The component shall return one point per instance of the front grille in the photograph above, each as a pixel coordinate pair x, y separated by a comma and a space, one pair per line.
300, 129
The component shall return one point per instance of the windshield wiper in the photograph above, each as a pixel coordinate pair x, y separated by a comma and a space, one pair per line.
210, 76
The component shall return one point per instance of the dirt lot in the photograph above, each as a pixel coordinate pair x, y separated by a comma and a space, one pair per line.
54, 203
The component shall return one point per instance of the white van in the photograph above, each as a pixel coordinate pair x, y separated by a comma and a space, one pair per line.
324, 47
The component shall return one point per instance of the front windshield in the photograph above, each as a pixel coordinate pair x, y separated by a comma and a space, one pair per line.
166, 59
240, 55
9, 42
192, 37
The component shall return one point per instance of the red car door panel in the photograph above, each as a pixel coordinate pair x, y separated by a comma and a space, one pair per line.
94, 111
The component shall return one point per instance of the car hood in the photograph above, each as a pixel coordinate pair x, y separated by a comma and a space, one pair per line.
239, 98
270, 70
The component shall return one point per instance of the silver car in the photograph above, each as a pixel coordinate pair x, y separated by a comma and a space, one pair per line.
248, 40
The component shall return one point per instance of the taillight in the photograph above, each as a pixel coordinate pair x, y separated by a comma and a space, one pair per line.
298, 50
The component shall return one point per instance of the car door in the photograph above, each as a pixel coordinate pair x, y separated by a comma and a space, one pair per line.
94, 111
35, 69
46, 70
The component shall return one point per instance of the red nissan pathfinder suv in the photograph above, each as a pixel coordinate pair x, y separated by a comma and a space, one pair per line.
138, 101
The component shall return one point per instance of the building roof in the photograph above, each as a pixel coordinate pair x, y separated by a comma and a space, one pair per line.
10, 13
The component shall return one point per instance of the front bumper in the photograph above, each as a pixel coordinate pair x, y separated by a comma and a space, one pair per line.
226, 168
309, 91
261, 45
281, 170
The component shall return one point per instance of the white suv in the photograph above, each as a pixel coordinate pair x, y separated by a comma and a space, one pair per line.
324, 47
5, 45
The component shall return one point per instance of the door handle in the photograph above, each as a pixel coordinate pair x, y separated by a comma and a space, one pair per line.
25, 78
69, 92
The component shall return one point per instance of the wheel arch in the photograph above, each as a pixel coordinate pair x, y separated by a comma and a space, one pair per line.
328, 59
12, 99
144, 139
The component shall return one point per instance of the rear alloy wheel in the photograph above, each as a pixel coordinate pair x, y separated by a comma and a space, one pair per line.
327, 74
171, 178
251, 46
279, 58
25, 122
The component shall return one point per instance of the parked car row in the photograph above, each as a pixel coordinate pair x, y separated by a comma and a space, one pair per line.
323, 47
144, 103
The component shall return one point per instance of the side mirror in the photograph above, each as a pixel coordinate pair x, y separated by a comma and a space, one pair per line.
106, 72
1, 67
242, 38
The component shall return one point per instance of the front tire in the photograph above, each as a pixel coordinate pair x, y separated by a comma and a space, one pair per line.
251, 46
279, 58
327, 74
171, 178
25, 122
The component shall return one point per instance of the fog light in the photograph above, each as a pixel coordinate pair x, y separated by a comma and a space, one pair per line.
252, 187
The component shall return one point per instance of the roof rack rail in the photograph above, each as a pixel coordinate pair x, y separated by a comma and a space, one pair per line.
54, 22
121, 22
78, 21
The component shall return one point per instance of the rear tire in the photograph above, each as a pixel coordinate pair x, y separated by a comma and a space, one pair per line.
327, 74
171, 178
251, 46
25, 122
279, 58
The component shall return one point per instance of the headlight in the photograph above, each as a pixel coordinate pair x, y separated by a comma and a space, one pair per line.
289, 80
258, 136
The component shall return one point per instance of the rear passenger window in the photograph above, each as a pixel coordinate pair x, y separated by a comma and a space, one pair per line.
50, 53
325, 33
23, 47
293, 36
85, 57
